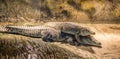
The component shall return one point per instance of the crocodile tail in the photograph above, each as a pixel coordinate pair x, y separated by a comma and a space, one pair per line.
11, 29
17, 30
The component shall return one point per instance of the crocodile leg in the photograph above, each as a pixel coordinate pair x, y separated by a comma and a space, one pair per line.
77, 37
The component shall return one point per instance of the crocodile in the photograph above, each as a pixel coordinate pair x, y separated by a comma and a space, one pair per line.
70, 28
33, 48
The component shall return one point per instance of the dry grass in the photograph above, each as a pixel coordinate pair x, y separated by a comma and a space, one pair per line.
77, 10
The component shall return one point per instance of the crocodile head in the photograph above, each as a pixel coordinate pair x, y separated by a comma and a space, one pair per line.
86, 32
90, 41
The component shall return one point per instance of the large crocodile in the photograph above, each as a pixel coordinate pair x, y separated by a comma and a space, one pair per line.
70, 28
32, 48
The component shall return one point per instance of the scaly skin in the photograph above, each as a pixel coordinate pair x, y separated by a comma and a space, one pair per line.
30, 31
28, 48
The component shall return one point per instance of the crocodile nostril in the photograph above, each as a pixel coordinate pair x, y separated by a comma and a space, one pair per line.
93, 33
99, 43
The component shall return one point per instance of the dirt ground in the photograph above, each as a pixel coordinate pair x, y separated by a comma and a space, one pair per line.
108, 35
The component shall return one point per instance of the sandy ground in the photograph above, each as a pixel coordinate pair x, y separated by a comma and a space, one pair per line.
108, 35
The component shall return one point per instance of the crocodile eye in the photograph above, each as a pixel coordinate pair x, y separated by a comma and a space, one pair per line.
87, 31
